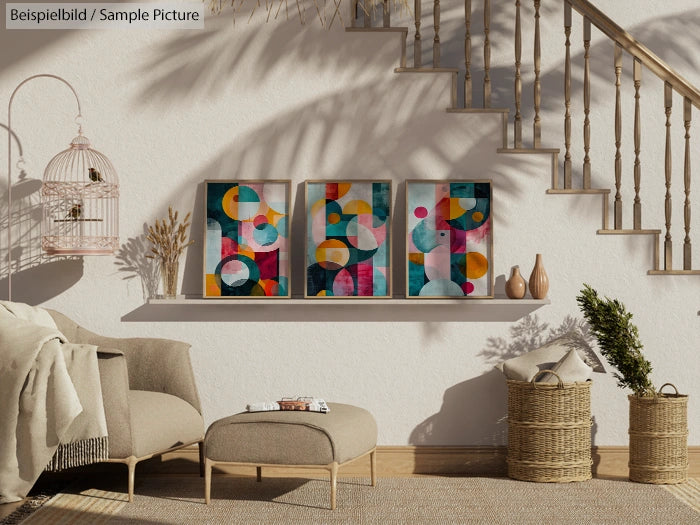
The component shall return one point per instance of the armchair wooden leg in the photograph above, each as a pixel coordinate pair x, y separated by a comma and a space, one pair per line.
373, 466
334, 478
207, 480
201, 458
131, 465
258, 472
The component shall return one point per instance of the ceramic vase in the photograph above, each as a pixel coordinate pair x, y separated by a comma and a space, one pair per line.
515, 286
539, 282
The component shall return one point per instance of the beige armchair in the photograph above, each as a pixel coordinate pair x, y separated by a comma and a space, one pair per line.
150, 398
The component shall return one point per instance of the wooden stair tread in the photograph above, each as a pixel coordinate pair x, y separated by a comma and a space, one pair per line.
376, 29
629, 232
528, 150
578, 191
426, 70
673, 272
477, 110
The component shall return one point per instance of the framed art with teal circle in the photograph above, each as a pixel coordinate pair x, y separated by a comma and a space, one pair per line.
449, 244
348, 239
246, 239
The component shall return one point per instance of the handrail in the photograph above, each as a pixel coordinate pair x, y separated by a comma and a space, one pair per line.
636, 49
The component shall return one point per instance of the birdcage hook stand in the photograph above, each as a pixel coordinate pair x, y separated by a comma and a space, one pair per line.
79, 194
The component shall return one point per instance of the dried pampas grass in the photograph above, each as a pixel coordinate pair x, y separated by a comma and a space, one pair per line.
169, 238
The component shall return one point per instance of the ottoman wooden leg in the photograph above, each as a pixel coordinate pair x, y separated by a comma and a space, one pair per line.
373, 466
207, 480
334, 477
258, 472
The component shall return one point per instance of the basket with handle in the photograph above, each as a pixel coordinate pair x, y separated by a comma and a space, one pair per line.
549, 430
658, 430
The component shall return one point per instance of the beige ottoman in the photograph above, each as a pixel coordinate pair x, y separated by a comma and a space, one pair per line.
292, 439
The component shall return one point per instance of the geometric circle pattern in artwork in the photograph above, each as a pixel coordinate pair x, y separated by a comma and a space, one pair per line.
421, 212
265, 234
467, 287
441, 288
360, 236
449, 238
332, 254
348, 238
234, 273
357, 207
241, 203
467, 203
477, 265
246, 252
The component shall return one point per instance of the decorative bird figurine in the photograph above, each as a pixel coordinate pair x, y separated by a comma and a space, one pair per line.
75, 212
95, 176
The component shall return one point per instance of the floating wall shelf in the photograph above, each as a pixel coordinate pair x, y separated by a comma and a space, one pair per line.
196, 309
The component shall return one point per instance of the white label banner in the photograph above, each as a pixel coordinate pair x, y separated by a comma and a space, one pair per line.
157, 15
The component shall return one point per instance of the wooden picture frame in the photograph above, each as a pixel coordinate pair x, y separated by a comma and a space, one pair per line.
449, 239
246, 239
348, 239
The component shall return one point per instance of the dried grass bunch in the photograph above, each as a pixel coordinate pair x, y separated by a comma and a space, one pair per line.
169, 238
322, 8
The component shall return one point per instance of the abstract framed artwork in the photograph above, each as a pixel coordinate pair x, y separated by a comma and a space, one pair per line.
348, 239
246, 239
449, 239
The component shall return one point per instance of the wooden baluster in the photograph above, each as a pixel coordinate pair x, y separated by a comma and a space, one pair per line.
618, 137
637, 75
436, 40
567, 96
487, 54
468, 54
518, 124
668, 244
387, 14
353, 13
687, 115
417, 51
537, 126
586, 103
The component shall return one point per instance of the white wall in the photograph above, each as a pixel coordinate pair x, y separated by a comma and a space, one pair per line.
173, 108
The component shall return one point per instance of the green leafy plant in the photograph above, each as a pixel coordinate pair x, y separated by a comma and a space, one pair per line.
618, 339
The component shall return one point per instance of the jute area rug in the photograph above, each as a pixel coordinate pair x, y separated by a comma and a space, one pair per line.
426, 500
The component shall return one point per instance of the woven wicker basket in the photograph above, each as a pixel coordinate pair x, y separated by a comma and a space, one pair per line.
659, 438
549, 431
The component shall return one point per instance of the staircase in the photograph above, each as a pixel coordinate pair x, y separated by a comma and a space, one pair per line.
366, 20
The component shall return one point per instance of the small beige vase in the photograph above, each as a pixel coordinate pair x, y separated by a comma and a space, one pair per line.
515, 286
539, 282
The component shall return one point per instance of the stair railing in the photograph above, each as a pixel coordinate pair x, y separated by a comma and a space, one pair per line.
673, 82
643, 58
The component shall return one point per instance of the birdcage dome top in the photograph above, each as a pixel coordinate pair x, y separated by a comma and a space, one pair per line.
80, 142
80, 163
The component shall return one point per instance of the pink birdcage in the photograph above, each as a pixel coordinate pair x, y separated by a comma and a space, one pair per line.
80, 195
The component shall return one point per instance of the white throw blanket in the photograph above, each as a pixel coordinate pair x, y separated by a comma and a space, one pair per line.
50, 394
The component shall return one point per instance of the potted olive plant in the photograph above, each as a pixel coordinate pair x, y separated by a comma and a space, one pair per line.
658, 423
